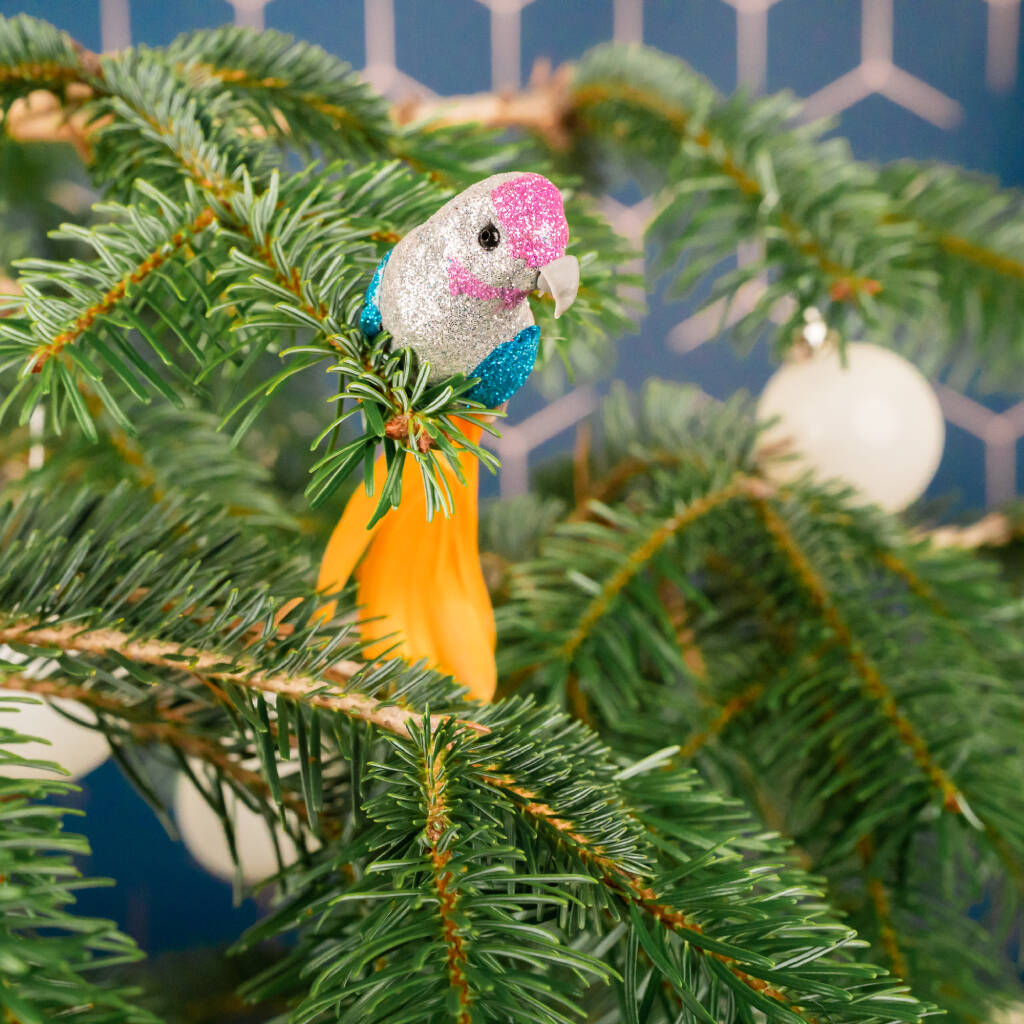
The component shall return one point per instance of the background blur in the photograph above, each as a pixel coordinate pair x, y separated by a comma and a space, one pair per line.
929, 79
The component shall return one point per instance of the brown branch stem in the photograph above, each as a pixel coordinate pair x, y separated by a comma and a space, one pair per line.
437, 827
171, 729
163, 654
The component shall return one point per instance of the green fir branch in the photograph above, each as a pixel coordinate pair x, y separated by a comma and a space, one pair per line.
35, 55
50, 958
552, 775
292, 88
920, 255
788, 636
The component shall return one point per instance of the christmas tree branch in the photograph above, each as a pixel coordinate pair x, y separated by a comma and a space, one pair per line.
988, 259
241, 78
874, 686
397, 721
758, 493
166, 725
51, 957
294, 90
34, 55
211, 664
652, 544
48, 72
168, 729
122, 289
916, 185
846, 284
888, 936
637, 891
789, 710
615, 480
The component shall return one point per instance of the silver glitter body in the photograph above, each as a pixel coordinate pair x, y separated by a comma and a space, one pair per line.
455, 332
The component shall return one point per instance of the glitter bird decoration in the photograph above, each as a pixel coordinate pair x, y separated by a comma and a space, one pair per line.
454, 291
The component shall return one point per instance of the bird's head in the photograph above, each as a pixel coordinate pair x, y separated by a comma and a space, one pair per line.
505, 236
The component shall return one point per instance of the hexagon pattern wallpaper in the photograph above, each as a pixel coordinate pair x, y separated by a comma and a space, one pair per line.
928, 79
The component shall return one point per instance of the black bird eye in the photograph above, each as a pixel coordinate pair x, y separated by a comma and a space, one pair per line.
489, 237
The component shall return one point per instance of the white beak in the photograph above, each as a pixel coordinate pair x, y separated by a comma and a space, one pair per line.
561, 279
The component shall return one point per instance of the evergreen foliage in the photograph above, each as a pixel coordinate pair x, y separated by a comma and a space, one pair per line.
757, 754
50, 957
922, 255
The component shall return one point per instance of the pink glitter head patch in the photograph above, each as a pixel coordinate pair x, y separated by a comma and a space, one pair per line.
532, 217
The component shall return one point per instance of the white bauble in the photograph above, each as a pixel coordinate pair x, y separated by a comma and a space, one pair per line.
203, 834
74, 747
874, 423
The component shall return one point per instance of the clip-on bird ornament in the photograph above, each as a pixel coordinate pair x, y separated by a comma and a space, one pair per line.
454, 291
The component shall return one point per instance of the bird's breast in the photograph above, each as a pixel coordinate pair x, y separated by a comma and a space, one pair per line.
445, 315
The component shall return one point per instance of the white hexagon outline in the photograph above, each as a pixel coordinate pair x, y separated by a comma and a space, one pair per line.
877, 74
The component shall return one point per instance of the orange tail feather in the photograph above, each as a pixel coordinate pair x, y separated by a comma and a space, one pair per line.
419, 582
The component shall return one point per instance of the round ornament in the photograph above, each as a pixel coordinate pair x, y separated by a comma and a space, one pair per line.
872, 421
203, 835
74, 747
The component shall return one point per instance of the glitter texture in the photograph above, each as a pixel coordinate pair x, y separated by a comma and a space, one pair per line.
458, 305
462, 282
369, 319
530, 210
505, 370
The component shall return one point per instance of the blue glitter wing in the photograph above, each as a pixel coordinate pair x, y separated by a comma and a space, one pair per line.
505, 370
369, 319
